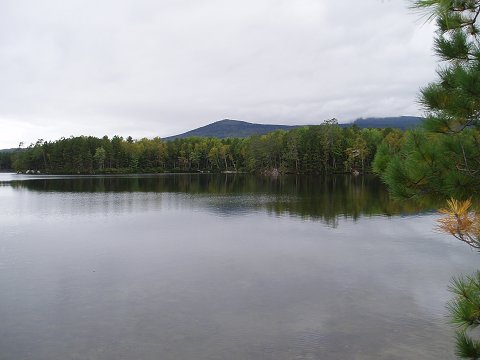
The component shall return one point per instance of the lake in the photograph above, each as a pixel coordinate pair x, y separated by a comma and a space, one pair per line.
221, 267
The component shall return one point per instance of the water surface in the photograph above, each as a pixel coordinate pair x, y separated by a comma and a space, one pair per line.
220, 267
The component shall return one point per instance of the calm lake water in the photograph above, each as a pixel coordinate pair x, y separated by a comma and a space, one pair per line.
221, 267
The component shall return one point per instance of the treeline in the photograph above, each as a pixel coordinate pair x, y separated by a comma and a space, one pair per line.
5, 160
321, 149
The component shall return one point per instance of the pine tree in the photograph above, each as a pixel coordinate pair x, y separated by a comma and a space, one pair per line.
444, 157
453, 101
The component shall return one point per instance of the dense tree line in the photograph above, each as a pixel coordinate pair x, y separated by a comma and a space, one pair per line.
5, 160
323, 149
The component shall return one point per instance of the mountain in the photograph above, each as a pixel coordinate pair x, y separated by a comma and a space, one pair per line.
400, 122
240, 129
231, 128
8, 150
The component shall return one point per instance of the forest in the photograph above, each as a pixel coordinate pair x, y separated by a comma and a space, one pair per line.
322, 149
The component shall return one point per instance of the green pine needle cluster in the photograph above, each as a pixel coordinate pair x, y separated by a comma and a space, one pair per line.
443, 158
431, 164
464, 312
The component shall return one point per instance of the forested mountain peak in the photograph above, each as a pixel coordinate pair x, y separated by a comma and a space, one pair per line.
228, 128
231, 128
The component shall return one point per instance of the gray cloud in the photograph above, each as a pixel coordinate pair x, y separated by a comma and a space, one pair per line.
148, 68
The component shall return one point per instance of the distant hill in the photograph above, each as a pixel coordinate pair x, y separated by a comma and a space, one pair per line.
240, 129
8, 150
231, 128
400, 122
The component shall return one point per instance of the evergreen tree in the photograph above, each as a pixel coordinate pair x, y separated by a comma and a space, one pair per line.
444, 157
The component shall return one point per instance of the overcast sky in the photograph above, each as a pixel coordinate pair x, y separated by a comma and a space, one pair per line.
150, 68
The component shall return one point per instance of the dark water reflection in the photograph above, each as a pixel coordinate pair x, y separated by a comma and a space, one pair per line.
324, 198
227, 267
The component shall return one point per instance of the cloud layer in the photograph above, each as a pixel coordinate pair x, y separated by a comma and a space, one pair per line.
149, 68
